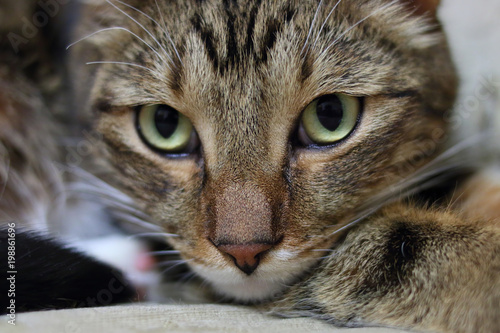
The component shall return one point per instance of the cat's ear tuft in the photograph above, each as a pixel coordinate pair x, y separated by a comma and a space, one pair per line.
423, 7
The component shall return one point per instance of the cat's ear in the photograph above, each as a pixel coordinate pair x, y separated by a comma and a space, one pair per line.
423, 7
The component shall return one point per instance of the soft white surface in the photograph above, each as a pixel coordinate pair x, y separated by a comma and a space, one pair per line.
171, 319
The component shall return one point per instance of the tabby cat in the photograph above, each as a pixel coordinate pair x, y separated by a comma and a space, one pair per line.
291, 151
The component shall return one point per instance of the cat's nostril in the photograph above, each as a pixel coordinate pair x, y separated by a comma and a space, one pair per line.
246, 257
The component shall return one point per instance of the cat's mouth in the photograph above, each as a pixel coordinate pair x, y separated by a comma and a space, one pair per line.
280, 269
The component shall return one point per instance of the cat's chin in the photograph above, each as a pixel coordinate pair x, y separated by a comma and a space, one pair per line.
247, 289
250, 291
268, 281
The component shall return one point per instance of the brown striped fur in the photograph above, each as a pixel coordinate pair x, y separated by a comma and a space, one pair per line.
243, 72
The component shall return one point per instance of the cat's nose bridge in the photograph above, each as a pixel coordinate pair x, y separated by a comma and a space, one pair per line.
241, 214
244, 220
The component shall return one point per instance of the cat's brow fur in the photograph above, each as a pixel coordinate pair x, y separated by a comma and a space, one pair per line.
243, 72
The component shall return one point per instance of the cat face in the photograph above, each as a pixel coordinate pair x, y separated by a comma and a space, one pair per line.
254, 131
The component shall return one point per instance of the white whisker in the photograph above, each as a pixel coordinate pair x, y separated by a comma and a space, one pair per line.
326, 20
311, 27
459, 147
106, 198
166, 32
455, 198
187, 277
127, 218
162, 28
121, 63
173, 263
355, 25
360, 217
140, 25
119, 205
429, 175
115, 28
164, 252
152, 234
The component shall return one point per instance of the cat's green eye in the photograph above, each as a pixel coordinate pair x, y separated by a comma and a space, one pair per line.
166, 129
329, 119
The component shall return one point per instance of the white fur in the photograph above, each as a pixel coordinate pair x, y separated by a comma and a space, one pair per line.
123, 253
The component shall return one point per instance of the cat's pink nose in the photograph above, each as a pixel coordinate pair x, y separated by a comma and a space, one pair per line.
246, 257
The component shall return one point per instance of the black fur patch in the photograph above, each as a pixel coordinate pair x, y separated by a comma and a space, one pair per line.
307, 66
397, 259
401, 94
273, 28
403, 246
102, 105
249, 48
233, 53
207, 36
50, 276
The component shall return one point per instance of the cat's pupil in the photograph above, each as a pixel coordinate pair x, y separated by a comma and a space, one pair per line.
166, 120
330, 112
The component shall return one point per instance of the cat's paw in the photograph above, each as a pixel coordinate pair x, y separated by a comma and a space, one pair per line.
408, 267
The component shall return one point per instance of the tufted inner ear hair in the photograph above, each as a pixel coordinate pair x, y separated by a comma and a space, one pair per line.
423, 7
